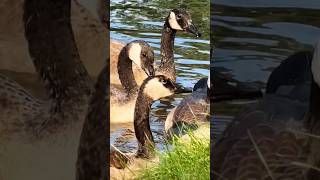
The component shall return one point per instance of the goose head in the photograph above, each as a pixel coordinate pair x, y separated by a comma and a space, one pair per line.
141, 54
158, 87
180, 20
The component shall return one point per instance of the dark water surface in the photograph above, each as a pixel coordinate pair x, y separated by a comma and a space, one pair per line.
251, 37
142, 19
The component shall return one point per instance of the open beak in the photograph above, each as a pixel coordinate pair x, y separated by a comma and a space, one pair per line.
193, 30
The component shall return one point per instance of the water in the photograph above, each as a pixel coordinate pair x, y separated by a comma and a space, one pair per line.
251, 38
143, 20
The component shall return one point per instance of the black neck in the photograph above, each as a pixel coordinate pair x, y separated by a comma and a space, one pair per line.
167, 66
314, 114
53, 50
92, 151
125, 72
167, 43
142, 125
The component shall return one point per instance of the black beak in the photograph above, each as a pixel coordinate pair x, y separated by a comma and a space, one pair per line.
242, 91
193, 29
180, 89
149, 70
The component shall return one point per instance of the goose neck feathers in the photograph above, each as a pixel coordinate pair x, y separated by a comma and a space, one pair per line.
142, 126
126, 75
64, 75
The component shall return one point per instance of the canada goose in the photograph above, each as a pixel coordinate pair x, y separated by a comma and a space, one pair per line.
277, 139
148, 93
177, 20
191, 111
141, 54
152, 89
46, 131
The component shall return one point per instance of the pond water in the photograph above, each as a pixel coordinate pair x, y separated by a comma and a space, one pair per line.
251, 38
143, 20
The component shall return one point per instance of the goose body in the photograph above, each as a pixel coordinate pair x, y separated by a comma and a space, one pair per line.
275, 138
191, 112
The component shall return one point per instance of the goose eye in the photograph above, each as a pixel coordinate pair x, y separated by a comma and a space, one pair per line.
179, 16
163, 81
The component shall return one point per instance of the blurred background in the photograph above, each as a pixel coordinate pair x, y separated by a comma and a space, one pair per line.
252, 37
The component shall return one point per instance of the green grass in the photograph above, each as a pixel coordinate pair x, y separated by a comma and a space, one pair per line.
188, 160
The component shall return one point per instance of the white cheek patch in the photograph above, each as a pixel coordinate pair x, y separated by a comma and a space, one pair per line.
134, 53
173, 22
315, 66
156, 90
208, 82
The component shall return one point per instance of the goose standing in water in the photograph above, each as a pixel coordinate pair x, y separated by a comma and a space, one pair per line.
141, 54
177, 20
277, 139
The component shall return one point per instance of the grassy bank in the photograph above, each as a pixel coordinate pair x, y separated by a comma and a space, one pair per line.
188, 160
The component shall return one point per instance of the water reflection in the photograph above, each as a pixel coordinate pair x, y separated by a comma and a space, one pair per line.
251, 38
138, 19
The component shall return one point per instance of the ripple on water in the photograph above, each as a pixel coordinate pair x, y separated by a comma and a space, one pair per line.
135, 20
